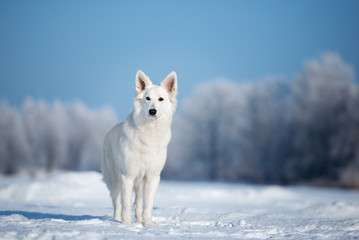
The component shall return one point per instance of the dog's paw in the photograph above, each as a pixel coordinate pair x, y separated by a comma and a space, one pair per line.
126, 221
139, 219
147, 223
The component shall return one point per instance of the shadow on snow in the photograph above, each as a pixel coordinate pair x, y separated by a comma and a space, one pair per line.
38, 215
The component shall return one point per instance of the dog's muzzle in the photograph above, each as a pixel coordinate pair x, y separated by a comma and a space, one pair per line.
152, 112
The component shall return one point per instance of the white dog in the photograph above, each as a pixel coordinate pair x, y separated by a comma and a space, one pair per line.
135, 150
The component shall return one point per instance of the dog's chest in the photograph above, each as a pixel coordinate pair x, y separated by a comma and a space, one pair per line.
149, 148
151, 141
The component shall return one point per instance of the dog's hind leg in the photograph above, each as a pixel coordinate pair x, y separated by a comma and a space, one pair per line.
112, 182
116, 201
117, 208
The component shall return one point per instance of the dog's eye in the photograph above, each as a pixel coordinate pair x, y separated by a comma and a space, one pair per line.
160, 99
148, 98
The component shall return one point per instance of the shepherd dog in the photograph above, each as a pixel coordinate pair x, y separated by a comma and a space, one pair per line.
135, 150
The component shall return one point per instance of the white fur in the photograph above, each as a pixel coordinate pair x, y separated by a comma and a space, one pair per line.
135, 150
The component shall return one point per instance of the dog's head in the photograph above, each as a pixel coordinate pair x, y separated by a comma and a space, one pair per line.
154, 101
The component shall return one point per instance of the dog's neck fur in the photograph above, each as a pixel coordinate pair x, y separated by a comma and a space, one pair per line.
158, 126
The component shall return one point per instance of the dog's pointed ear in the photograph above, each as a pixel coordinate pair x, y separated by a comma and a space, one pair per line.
142, 81
170, 84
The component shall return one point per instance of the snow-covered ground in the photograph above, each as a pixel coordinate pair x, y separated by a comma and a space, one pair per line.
78, 206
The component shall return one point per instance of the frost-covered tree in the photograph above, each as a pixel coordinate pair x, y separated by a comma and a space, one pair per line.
224, 130
14, 149
321, 99
46, 137
271, 131
195, 150
346, 144
262, 141
35, 117
87, 132
58, 136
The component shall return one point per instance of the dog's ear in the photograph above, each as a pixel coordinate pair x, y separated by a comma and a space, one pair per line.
142, 81
170, 84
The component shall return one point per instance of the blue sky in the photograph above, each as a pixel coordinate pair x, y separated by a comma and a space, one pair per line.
91, 50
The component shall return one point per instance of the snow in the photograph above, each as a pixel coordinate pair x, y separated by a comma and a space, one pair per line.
72, 205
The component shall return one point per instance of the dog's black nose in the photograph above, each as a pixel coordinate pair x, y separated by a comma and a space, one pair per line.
152, 112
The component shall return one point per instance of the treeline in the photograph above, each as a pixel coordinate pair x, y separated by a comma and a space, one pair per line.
273, 131
42, 137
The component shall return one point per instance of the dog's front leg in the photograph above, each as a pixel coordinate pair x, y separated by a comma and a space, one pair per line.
150, 188
139, 202
126, 189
